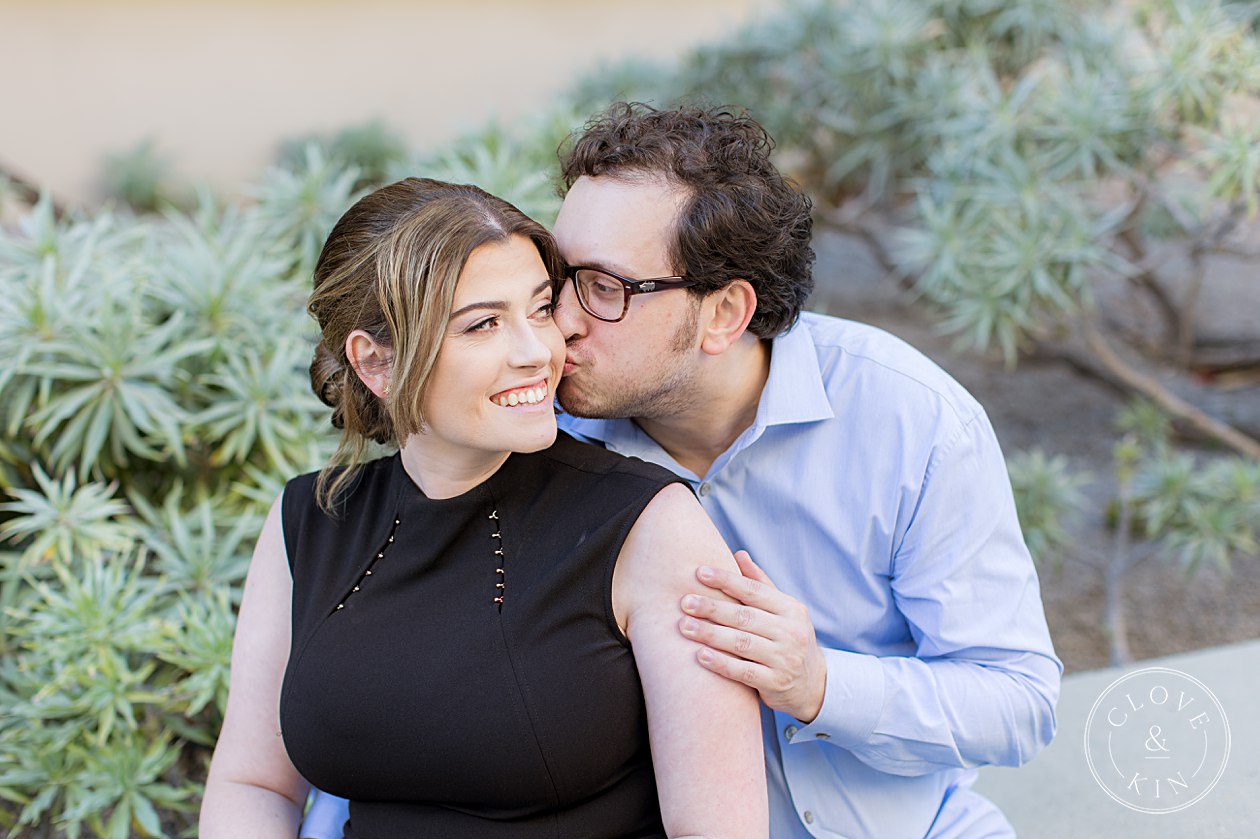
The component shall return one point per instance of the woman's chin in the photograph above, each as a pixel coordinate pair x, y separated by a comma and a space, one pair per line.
536, 442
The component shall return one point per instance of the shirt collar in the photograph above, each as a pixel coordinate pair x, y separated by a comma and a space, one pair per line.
794, 390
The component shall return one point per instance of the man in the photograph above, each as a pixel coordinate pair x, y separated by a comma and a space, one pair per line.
892, 621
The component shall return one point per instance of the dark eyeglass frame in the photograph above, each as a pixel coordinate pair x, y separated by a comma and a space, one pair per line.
632, 287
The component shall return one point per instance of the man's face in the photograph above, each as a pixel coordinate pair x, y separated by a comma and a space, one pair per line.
644, 365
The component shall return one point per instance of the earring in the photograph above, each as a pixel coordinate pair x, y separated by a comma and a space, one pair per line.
386, 391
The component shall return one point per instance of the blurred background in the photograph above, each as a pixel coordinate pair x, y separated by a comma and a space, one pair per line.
217, 85
1057, 200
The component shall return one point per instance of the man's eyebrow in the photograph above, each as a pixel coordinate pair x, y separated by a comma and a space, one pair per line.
604, 266
497, 305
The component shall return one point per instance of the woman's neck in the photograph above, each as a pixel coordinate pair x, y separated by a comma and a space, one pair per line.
445, 472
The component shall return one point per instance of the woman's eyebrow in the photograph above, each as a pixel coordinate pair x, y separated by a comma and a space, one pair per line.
497, 305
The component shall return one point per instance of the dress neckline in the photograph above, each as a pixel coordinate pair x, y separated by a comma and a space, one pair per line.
408, 492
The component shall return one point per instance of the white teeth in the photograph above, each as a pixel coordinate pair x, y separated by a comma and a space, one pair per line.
531, 396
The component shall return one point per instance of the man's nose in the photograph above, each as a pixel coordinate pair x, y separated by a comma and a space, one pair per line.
569, 315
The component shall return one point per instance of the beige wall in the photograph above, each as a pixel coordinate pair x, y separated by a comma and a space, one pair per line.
219, 82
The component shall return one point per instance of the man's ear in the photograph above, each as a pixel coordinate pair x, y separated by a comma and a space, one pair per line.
727, 313
370, 361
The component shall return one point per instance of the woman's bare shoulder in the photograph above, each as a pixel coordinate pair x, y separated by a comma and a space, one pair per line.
669, 541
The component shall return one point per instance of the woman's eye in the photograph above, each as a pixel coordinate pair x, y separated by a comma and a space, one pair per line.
483, 325
546, 310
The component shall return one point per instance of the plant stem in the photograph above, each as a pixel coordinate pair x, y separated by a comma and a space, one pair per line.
1117, 631
1170, 402
1189, 307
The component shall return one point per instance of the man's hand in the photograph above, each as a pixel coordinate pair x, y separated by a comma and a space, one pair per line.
765, 640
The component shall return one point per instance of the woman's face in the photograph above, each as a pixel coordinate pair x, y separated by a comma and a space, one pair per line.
493, 386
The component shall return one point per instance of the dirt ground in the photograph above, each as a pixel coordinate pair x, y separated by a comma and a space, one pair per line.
1048, 404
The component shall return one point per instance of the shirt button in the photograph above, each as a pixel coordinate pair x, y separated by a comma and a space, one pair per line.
808, 817
822, 735
703, 489
790, 731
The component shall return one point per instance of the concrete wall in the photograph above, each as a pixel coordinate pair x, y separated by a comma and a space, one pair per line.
218, 83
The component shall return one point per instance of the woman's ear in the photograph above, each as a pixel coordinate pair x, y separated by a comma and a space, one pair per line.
370, 361
728, 312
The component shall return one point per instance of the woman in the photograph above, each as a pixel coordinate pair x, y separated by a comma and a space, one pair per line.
444, 636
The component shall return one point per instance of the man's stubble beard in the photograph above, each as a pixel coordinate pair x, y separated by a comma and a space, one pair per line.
649, 400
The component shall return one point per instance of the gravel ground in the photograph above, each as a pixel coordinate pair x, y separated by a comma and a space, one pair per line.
1048, 404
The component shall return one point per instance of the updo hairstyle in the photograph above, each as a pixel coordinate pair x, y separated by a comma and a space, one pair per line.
390, 267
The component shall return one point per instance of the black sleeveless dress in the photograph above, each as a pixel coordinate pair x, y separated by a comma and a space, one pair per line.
456, 669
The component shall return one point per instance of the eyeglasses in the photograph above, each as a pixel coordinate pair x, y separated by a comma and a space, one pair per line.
605, 295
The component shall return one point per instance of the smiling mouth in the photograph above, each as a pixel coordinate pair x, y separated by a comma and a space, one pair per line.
531, 395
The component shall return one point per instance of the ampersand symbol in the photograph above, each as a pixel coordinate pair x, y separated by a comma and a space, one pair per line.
1153, 743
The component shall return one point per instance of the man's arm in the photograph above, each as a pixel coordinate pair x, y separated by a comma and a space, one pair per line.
982, 685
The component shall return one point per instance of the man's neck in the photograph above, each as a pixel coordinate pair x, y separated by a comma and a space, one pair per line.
728, 390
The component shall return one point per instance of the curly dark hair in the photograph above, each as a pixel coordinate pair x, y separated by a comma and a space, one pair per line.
743, 219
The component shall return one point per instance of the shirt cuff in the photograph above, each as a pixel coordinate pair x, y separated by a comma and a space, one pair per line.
853, 703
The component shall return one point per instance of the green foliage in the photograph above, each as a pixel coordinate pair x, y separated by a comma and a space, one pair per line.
518, 165
1231, 158
60, 520
154, 398
1024, 148
84, 735
1048, 498
1186, 510
139, 177
372, 149
1200, 513
1189, 509
302, 205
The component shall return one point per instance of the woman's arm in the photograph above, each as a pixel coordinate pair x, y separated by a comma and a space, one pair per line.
253, 791
710, 785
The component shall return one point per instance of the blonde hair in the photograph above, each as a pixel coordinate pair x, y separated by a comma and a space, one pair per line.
390, 267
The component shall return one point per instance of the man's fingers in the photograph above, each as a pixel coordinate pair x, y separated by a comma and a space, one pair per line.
750, 569
762, 595
736, 642
733, 615
741, 670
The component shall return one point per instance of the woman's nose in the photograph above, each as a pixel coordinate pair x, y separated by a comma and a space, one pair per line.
530, 350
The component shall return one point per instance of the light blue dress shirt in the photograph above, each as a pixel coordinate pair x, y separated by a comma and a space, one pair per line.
871, 487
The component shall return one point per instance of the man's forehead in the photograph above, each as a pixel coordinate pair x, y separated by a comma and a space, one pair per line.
618, 223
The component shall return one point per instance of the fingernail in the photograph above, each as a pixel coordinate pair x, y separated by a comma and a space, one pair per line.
690, 603
706, 655
690, 625
705, 572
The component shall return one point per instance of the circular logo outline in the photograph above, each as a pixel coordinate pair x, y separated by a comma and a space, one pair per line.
1089, 721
